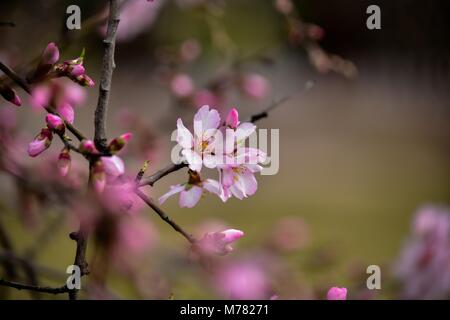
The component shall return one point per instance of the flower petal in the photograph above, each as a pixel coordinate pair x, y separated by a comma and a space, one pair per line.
184, 136
193, 158
189, 198
205, 122
173, 190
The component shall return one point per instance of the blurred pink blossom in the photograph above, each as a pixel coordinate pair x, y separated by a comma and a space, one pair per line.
336, 293
243, 280
220, 242
113, 166
182, 85
255, 86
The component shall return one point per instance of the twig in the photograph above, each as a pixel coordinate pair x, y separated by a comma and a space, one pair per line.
164, 216
21, 286
17, 79
151, 180
108, 66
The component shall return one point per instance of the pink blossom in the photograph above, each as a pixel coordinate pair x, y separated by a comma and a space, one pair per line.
63, 163
190, 193
423, 265
75, 70
182, 85
113, 166
197, 148
40, 96
220, 242
232, 120
120, 197
40, 143
136, 17
55, 123
88, 146
238, 181
50, 54
118, 143
255, 86
206, 97
243, 280
66, 111
98, 176
84, 80
336, 293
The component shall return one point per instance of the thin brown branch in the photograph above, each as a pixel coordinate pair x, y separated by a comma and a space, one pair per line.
151, 180
108, 66
164, 216
21, 286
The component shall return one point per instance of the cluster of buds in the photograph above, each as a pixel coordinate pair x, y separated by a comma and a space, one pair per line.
108, 167
49, 67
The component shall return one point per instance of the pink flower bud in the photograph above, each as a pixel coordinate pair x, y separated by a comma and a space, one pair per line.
10, 95
113, 166
118, 143
182, 86
84, 80
232, 119
51, 54
55, 123
88, 146
98, 177
40, 143
64, 161
336, 293
66, 111
255, 86
75, 70
220, 242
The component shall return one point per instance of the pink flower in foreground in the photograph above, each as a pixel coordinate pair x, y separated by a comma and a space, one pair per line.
120, 197
220, 242
55, 123
423, 266
113, 166
197, 148
182, 85
243, 280
40, 143
191, 192
336, 293
66, 111
255, 86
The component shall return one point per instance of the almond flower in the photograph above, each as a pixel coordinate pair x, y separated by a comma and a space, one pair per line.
220, 242
40, 143
336, 293
197, 148
191, 192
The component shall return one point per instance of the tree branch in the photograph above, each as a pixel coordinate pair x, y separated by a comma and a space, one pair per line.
21, 286
164, 216
108, 66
